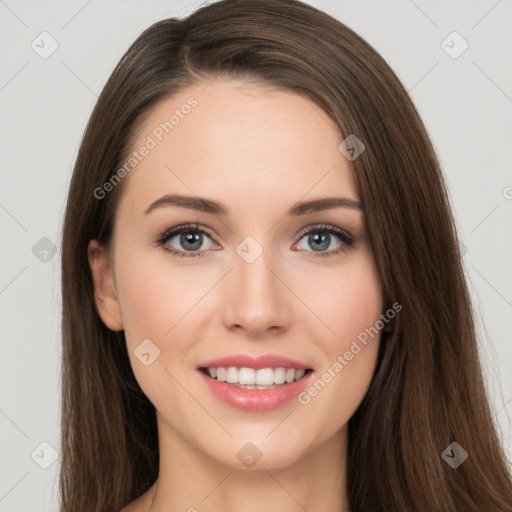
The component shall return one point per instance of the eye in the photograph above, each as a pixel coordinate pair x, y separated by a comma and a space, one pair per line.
185, 240
191, 240
322, 237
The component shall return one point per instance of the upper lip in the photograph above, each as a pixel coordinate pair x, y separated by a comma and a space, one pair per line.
248, 361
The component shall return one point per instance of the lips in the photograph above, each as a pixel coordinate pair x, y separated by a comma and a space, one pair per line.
255, 383
247, 361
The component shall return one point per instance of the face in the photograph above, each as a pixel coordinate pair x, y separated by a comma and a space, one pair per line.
257, 278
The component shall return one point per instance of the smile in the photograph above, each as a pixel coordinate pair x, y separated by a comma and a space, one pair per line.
255, 390
250, 378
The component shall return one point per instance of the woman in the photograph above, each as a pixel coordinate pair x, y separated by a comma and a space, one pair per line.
263, 301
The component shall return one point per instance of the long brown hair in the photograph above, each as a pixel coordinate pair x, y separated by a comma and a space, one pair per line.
427, 391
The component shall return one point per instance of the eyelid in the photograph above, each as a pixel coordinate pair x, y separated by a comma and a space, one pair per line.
325, 227
163, 237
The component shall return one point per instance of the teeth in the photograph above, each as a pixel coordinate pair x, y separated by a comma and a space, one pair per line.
221, 373
299, 374
250, 378
265, 377
280, 375
232, 375
246, 376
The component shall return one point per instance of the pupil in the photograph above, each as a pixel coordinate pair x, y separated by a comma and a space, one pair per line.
193, 239
319, 241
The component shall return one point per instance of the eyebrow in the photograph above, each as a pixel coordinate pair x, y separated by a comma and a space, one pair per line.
202, 204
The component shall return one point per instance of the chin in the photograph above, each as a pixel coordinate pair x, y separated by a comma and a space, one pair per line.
258, 453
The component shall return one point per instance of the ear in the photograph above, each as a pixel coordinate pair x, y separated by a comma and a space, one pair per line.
105, 294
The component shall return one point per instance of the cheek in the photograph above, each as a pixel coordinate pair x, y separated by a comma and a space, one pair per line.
153, 297
347, 301
144, 303
350, 306
155, 307
164, 304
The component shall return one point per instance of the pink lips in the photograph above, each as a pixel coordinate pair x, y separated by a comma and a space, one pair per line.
246, 361
255, 400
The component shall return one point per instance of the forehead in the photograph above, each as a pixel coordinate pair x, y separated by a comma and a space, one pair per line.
238, 141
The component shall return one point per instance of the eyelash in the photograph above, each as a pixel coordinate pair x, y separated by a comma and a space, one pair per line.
163, 237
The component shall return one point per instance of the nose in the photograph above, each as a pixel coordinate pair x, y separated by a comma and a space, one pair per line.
257, 300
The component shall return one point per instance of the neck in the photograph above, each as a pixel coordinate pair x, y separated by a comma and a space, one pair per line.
191, 481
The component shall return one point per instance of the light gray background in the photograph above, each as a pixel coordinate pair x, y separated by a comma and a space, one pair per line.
466, 104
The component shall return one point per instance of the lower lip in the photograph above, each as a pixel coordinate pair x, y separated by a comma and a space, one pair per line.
256, 399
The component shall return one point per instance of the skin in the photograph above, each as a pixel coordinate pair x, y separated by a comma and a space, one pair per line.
258, 151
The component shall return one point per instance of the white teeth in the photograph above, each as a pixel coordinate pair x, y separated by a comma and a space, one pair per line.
279, 375
265, 377
299, 374
232, 375
249, 377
